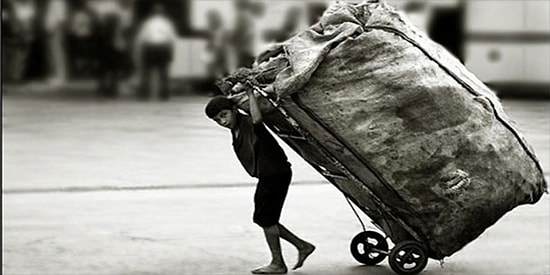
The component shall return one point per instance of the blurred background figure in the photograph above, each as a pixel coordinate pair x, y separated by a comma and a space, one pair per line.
217, 48
244, 39
56, 16
109, 55
82, 36
113, 26
124, 40
18, 20
154, 51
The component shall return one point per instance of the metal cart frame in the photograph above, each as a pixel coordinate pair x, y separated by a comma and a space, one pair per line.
327, 156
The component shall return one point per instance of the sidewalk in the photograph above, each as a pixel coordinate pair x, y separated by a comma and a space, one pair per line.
81, 143
209, 231
71, 140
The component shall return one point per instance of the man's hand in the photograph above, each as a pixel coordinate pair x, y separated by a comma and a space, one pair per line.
238, 99
238, 92
238, 88
254, 109
250, 92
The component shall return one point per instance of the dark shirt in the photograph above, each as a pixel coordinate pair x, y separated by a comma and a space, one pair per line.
257, 149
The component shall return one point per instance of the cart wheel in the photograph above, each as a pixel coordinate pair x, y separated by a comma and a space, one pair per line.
366, 247
408, 257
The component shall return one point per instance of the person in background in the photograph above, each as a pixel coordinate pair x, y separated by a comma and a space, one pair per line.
263, 158
244, 38
124, 37
19, 16
82, 30
217, 48
154, 49
114, 45
54, 22
109, 56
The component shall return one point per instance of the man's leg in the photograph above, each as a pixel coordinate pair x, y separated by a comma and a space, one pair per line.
277, 265
147, 64
304, 248
110, 83
164, 84
144, 89
164, 64
268, 203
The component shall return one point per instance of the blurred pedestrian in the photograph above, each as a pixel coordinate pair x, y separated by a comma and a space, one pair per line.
109, 56
124, 37
217, 48
263, 158
114, 41
55, 19
244, 39
82, 31
19, 16
155, 44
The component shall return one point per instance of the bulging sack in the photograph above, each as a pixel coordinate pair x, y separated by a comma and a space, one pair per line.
417, 117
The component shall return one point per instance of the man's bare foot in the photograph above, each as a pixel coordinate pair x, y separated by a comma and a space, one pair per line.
303, 253
270, 269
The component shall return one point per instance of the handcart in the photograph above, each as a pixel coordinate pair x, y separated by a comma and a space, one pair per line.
316, 145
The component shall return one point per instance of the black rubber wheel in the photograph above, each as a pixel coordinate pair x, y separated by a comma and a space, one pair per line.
408, 257
362, 245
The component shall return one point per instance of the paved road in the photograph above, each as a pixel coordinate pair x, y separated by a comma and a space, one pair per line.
80, 143
191, 211
208, 231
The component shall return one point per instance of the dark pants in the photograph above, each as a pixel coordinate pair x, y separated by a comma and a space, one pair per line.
109, 73
155, 58
269, 198
109, 57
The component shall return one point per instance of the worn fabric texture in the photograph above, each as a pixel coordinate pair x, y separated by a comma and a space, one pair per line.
432, 132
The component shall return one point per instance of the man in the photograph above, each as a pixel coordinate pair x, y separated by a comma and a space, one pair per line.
245, 40
263, 158
155, 45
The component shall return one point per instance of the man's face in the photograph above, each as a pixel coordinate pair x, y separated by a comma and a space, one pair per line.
226, 118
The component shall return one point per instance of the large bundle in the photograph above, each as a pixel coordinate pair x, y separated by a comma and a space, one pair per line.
419, 131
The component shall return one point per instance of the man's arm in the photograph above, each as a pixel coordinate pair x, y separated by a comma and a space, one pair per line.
255, 112
254, 109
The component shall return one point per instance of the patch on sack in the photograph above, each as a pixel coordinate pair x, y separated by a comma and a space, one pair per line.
455, 181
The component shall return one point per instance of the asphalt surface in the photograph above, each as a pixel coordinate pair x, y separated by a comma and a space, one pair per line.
82, 143
128, 187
